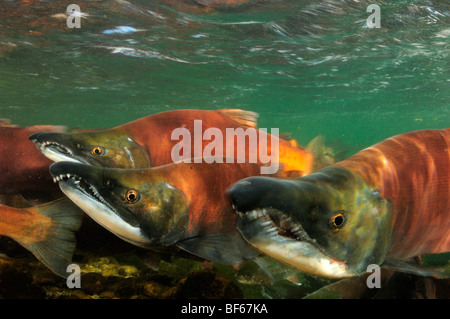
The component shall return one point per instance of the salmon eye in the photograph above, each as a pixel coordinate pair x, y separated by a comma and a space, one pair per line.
337, 221
131, 196
97, 150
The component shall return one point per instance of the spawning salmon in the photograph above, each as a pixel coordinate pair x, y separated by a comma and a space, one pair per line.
149, 141
383, 205
180, 204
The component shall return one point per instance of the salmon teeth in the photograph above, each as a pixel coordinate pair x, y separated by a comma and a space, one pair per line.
274, 222
266, 223
61, 148
272, 230
67, 176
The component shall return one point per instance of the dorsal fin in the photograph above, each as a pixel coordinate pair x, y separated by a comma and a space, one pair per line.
245, 118
316, 144
44, 128
47, 128
6, 123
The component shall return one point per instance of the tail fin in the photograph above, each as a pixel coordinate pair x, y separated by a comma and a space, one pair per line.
323, 155
58, 247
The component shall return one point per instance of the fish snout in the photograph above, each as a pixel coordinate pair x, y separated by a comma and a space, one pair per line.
43, 137
34, 137
55, 146
258, 192
245, 194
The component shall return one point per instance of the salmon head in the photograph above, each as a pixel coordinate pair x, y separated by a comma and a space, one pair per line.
328, 224
136, 205
108, 148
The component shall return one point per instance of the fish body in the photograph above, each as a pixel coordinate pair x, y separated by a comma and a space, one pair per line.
412, 170
176, 205
383, 205
150, 141
47, 231
23, 169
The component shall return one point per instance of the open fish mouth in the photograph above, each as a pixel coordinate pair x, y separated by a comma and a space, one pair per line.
279, 236
86, 196
81, 185
274, 223
57, 152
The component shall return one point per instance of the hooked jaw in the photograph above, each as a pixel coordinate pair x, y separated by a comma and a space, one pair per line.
74, 182
136, 205
50, 146
262, 204
276, 235
106, 148
330, 223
